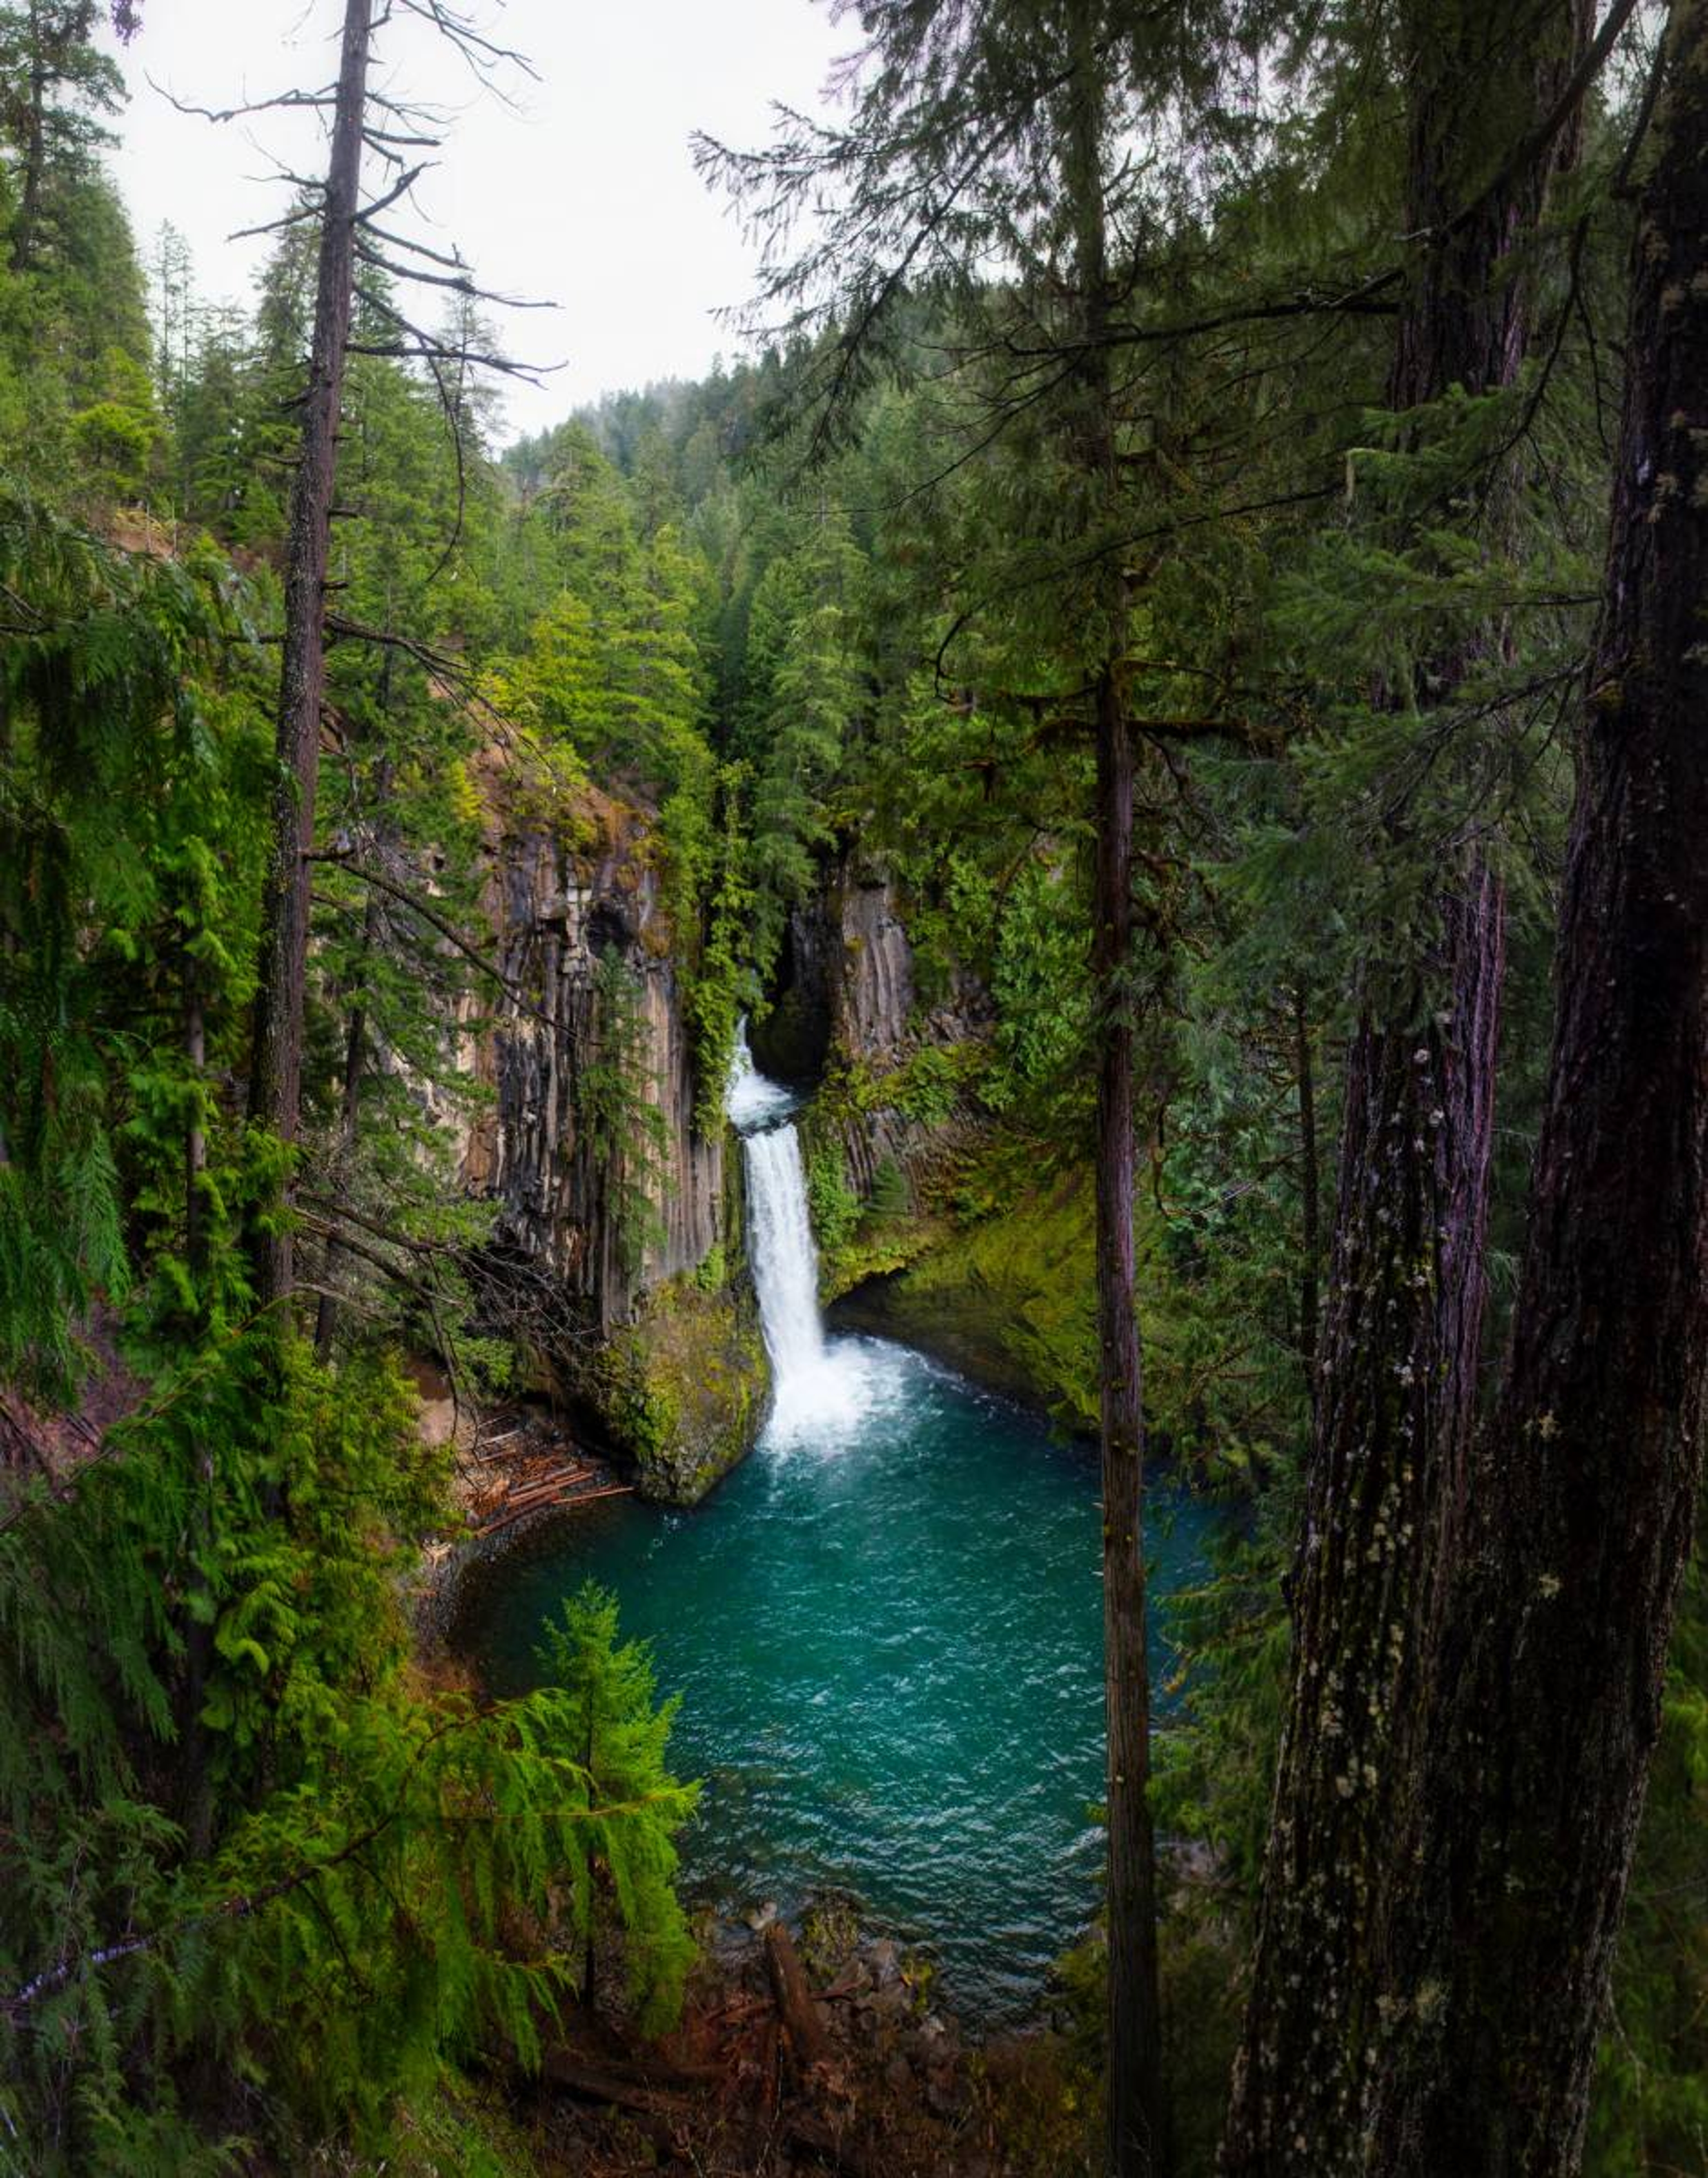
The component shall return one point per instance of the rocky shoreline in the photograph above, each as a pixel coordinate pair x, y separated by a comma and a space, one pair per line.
809, 2045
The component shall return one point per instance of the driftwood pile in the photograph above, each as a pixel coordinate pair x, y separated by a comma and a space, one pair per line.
528, 1470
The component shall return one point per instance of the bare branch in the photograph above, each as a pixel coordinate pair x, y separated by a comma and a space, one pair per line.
282, 102
447, 931
462, 285
401, 187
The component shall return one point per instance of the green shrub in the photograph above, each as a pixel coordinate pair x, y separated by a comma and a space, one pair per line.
833, 1205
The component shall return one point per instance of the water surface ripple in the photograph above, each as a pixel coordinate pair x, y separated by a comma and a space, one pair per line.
886, 1629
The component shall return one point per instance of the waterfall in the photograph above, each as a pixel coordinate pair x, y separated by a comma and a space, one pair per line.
785, 1263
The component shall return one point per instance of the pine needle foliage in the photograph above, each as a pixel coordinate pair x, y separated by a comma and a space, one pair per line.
627, 1804
380, 1894
121, 842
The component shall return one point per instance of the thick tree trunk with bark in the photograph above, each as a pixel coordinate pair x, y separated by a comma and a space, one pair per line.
1549, 1683
276, 1067
1134, 2082
1398, 1363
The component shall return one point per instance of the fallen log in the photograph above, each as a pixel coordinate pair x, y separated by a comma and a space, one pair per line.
546, 1504
593, 2083
801, 2015
548, 1486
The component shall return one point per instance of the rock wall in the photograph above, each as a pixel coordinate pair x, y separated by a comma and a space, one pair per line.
848, 991
669, 1370
889, 1059
554, 913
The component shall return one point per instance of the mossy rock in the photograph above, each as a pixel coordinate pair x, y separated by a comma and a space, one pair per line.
1008, 1298
683, 1391
877, 1247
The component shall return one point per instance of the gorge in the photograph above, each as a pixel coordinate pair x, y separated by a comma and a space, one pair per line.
883, 1627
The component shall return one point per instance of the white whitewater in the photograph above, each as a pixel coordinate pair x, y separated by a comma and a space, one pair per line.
817, 1392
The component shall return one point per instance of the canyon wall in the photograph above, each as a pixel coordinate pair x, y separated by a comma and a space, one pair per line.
635, 1221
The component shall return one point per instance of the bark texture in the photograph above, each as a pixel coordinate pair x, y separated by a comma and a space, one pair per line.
1310, 1188
1401, 1333
1136, 2128
1134, 2069
1554, 1646
276, 1065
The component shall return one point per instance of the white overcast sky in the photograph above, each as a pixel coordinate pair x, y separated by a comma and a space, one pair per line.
586, 197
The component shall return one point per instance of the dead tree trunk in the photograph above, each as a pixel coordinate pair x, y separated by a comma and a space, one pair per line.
1549, 1683
807, 2033
276, 1065
1397, 1372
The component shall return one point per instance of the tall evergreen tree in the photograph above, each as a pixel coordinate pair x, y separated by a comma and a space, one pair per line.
56, 85
1003, 133
276, 1065
1398, 1364
1547, 1677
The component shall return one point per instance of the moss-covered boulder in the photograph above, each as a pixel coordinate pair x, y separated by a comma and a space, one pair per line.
683, 1391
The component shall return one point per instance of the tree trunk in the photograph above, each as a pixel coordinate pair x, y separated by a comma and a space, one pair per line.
34, 159
1555, 1644
275, 1069
1309, 1189
1398, 1365
1137, 2132
807, 2033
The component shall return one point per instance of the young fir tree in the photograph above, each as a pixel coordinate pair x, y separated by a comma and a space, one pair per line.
626, 1806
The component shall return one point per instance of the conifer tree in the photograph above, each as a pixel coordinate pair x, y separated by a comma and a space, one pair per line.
1548, 1673
55, 83
1001, 132
1397, 1370
276, 1065
627, 1804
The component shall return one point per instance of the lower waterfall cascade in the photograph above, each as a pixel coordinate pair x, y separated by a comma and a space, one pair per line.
813, 1384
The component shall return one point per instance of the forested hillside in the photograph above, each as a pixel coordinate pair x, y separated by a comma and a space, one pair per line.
1168, 688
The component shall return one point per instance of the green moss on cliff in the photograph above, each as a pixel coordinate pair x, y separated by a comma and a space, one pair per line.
1007, 1294
998, 1276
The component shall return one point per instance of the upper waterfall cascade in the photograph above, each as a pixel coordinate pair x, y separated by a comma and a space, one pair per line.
811, 1384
